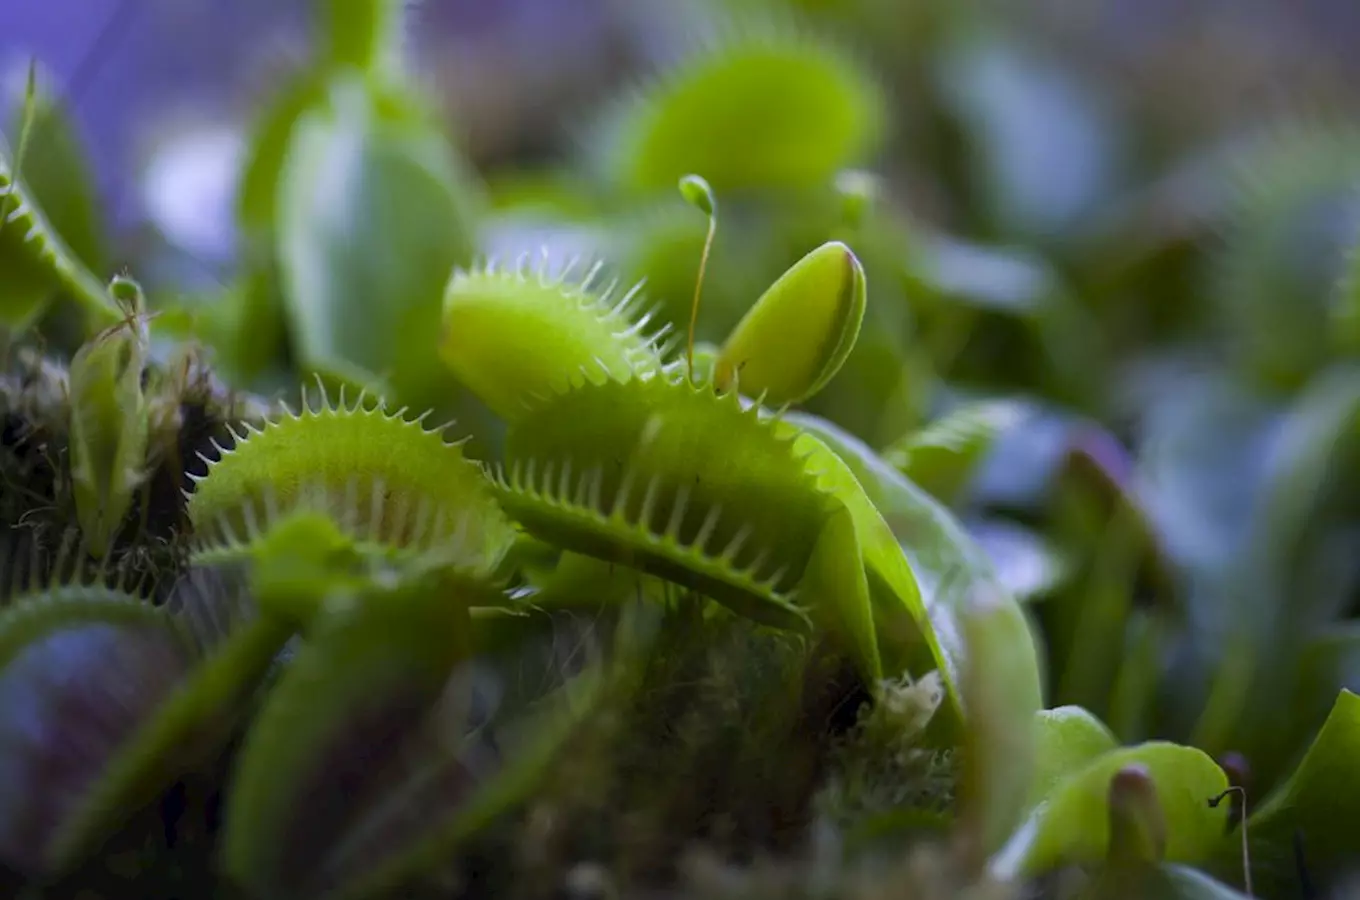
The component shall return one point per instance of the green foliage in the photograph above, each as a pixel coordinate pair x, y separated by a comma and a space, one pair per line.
943, 456
797, 335
37, 258
512, 336
367, 181
817, 112
1311, 807
109, 424
960, 522
1072, 824
1068, 738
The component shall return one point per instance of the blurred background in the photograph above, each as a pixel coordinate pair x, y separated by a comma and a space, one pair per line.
162, 90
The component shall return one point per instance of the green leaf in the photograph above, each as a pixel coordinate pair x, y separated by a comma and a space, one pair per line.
109, 428
1163, 882
1073, 824
272, 135
798, 334
834, 581
364, 33
1308, 466
1320, 802
374, 213
1068, 738
187, 730
1293, 213
1025, 117
374, 665
36, 259
764, 107
58, 177
999, 747
930, 582
944, 456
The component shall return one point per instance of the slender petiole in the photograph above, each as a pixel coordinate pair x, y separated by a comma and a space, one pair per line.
699, 194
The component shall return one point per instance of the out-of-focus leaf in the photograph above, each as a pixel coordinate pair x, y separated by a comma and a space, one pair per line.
57, 174
268, 148
1133, 697
363, 33
661, 245
1320, 803
35, 257
1288, 230
1002, 280
1073, 823
1068, 739
1000, 317
1315, 448
952, 573
1019, 473
764, 106
1346, 304
1027, 119
374, 666
1201, 457
1185, 883
375, 212
82, 675
1164, 882
999, 747
245, 327
1027, 563
943, 456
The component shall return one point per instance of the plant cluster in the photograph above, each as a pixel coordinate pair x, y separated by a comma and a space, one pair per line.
800, 556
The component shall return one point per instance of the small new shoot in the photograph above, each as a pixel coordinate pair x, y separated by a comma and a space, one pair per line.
699, 194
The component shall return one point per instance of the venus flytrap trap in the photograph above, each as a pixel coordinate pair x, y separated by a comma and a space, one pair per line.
819, 112
698, 486
35, 258
390, 483
147, 693
109, 420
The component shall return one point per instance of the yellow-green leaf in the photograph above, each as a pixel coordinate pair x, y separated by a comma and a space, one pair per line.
795, 338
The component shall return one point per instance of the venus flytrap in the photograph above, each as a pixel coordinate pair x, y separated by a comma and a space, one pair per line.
378, 662
35, 258
389, 483
818, 109
109, 421
641, 465
514, 334
145, 693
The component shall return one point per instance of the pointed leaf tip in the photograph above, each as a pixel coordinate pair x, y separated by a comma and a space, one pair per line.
1137, 824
